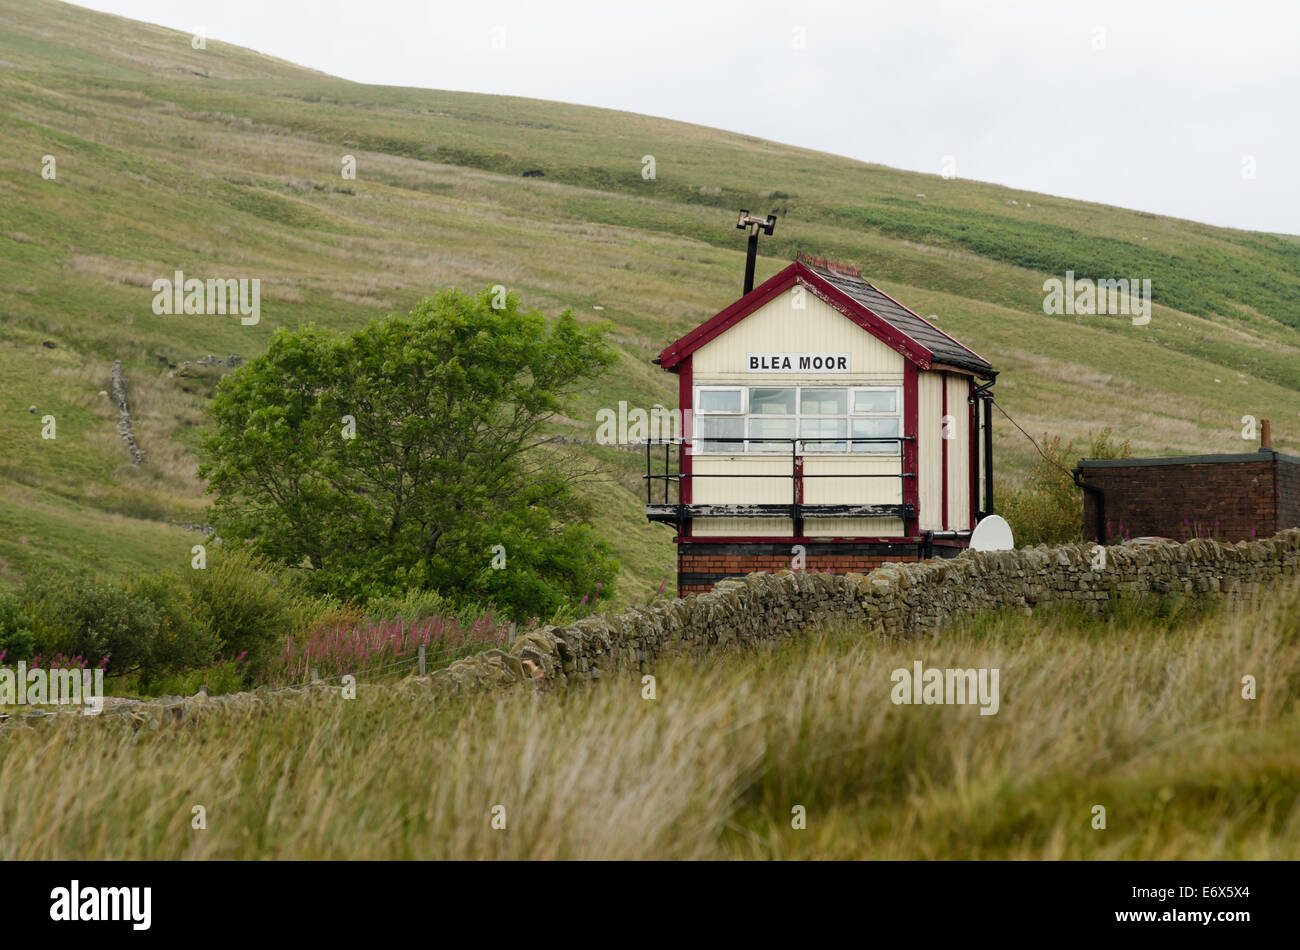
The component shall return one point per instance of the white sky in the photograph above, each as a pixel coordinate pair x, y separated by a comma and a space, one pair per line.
1160, 118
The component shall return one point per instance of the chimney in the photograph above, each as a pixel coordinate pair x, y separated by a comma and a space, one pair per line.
1265, 435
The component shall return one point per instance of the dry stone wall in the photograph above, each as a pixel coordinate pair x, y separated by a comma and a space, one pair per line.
117, 384
893, 600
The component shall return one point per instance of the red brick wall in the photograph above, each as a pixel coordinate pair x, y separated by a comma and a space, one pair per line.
1228, 500
701, 565
1288, 494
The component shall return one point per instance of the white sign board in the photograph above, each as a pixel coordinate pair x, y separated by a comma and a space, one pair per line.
798, 363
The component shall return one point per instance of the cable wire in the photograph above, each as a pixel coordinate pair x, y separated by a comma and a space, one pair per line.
1046, 458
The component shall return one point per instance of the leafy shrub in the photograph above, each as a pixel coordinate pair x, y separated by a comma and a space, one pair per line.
249, 604
1048, 509
162, 629
95, 621
410, 605
328, 612
225, 675
17, 641
417, 604
185, 639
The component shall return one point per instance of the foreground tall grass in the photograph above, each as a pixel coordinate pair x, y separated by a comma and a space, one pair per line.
1141, 714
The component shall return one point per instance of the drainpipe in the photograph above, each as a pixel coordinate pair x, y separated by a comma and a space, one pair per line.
1096, 493
988, 454
981, 392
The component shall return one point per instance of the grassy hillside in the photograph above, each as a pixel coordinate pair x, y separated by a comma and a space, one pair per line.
1139, 713
225, 163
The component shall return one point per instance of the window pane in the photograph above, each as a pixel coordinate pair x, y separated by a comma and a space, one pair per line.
770, 429
875, 400
719, 427
779, 402
828, 428
824, 402
720, 400
875, 429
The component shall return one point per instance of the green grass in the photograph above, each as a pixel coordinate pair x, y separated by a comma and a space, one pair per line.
223, 162
1140, 713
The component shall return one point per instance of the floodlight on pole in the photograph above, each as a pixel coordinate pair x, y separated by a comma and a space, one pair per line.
755, 225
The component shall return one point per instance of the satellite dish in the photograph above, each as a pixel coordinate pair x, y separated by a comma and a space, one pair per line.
992, 534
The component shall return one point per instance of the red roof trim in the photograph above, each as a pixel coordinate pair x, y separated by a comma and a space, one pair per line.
828, 293
677, 351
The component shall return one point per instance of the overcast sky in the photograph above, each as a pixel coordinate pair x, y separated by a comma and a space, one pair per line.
1168, 106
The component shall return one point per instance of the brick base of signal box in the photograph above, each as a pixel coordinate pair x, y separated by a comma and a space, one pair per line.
701, 564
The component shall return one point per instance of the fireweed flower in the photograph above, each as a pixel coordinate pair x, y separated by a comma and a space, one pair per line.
342, 648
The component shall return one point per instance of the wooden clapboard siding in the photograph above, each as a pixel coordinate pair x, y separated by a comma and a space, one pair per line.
780, 326
930, 450
775, 490
959, 460
875, 491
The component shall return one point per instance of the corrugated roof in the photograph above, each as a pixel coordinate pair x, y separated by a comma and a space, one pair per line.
849, 282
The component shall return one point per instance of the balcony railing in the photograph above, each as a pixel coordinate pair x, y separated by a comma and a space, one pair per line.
675, 511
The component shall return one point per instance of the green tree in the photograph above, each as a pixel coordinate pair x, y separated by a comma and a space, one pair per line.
400, 456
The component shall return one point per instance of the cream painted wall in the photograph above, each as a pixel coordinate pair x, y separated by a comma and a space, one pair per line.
778, 490
848, 490
741, 491
779, 326
929, 449
959, 508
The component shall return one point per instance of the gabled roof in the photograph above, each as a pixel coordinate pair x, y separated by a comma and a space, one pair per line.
844, 289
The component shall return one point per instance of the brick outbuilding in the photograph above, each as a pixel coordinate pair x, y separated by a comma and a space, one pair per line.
1226, 497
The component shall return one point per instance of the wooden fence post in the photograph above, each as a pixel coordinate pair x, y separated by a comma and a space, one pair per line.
422, 667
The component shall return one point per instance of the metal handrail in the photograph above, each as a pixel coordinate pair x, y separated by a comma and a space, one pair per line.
796, 475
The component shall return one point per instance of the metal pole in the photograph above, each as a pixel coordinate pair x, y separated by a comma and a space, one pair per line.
794, 486
749, 257
797, 461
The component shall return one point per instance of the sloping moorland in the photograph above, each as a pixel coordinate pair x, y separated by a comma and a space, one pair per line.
223, 162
